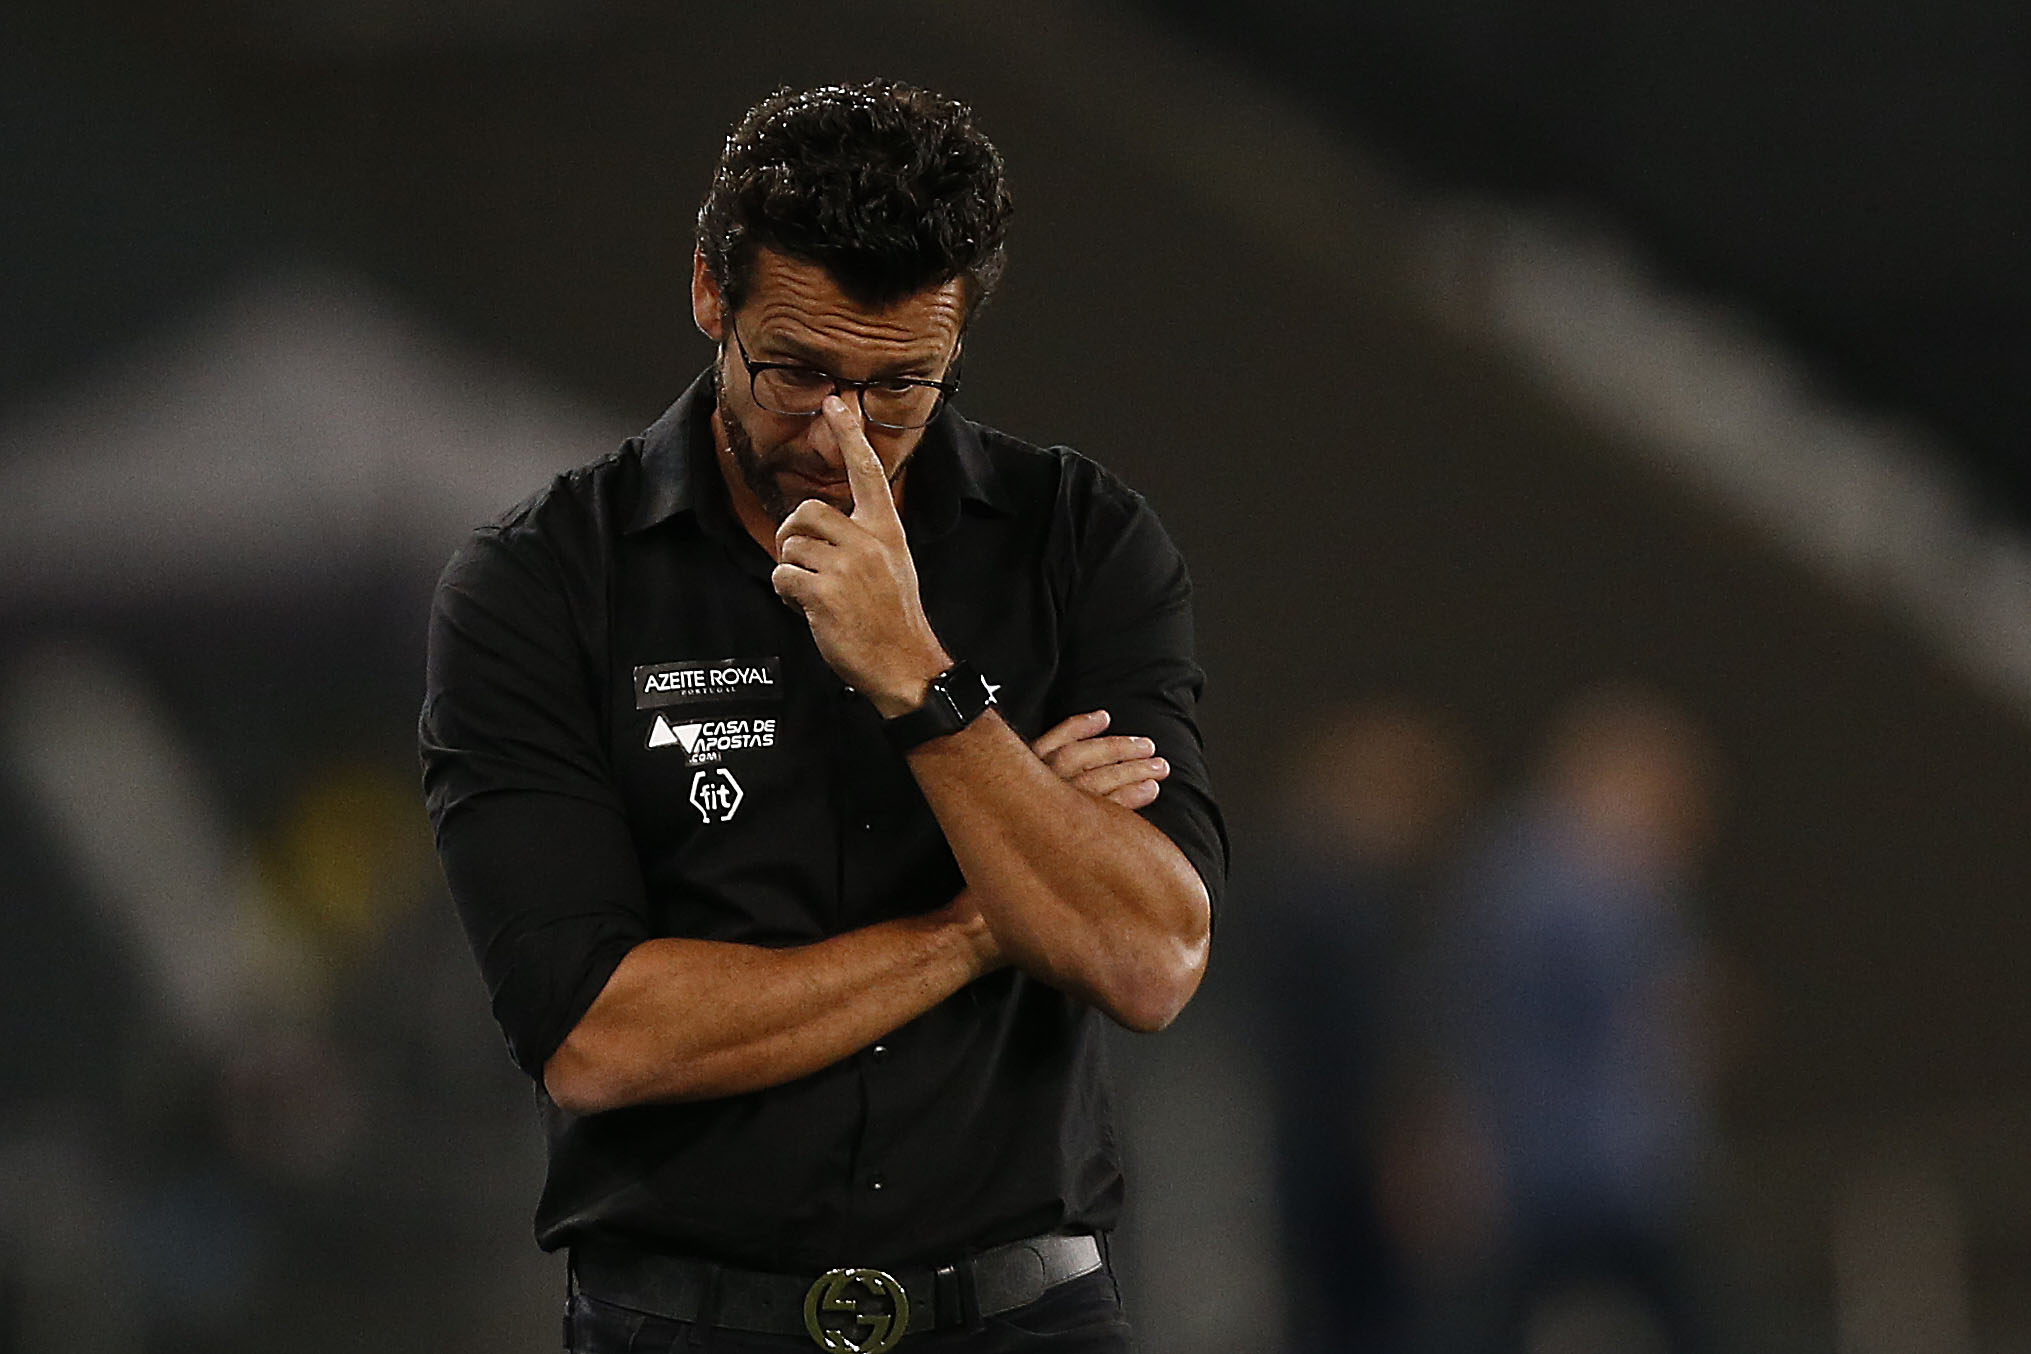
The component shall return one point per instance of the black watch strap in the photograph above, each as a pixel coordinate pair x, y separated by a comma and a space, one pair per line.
958, 696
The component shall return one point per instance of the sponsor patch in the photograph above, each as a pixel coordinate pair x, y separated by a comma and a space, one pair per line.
716, 679
715, 794
705, 741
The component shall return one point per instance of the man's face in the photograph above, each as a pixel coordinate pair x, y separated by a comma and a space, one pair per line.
795, 313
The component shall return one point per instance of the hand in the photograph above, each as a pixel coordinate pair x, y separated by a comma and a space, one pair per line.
1123, 769
853, 579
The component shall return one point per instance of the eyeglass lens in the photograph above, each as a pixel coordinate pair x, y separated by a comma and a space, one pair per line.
783, 390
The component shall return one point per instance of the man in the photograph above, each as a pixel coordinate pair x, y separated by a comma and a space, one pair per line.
725, 742
1572, 1003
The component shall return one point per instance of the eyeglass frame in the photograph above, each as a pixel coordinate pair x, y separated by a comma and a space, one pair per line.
946, 388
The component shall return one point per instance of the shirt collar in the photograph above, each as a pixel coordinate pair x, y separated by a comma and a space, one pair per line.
951, 466
667, 460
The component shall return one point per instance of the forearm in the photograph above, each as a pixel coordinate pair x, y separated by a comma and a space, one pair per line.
696, 1019
1077, 890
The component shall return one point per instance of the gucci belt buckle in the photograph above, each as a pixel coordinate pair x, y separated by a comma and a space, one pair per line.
845, 1291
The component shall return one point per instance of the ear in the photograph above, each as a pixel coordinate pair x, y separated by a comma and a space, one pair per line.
708, 308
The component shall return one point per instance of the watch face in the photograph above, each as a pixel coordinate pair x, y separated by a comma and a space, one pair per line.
965, 691
957, 697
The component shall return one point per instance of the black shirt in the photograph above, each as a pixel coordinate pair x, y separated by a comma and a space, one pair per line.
626, 734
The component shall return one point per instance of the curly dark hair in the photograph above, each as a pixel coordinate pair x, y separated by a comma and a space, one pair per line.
890, 188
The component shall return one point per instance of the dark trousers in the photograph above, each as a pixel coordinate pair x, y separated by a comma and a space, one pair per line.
1080, 1316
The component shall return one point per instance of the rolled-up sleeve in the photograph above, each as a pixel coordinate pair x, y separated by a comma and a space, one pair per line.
530, 829
1130, 651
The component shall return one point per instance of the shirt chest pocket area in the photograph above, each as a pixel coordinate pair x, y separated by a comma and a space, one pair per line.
700, 743
703, 765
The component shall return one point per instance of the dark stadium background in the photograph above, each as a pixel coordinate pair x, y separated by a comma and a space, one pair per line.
291, 293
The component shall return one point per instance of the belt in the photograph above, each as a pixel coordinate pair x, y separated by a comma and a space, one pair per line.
844, 1309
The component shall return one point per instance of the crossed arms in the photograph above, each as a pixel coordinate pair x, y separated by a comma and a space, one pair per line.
1064, 880
694, 1019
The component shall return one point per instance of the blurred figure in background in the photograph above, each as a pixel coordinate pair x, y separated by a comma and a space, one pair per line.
1549, 1172
1376, 794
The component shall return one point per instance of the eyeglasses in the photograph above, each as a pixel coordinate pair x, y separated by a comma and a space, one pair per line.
895, 402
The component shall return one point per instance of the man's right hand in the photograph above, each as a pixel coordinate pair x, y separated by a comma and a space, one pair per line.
1121, 768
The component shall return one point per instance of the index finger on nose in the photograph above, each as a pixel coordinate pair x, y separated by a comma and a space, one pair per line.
865, 476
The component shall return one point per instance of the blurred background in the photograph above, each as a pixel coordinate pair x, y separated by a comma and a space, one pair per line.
1597, 431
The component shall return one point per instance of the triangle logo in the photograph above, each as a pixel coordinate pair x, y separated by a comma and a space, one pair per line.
661, 735
687, 734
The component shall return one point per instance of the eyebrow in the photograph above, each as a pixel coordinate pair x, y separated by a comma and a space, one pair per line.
793, 351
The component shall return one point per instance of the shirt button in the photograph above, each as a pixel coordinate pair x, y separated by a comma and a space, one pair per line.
880, 1053
867, 827
875, 1182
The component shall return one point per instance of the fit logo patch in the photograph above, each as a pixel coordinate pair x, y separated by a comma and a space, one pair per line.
715, 679
705, 741
715, 794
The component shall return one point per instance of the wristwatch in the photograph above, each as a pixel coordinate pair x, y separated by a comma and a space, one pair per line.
958, 696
